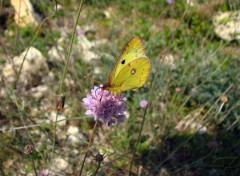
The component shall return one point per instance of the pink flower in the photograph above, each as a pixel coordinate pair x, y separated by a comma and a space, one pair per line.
105, 105
178, 89
170, 1
143, 103
126, 20
79, 31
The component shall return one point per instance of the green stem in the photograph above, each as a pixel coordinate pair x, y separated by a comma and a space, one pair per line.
71, 45
54, 135
139, 137
65, 71
89, 144
34, 167
99, 164
31, 43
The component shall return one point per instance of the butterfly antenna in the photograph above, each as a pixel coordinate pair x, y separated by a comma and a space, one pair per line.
90, 79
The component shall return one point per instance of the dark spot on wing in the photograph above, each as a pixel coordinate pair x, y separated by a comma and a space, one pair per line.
123, 62
133, 71
129, 64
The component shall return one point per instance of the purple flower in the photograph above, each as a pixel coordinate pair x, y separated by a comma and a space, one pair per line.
79, 31
178, 89
143, 103
126, 20
105, 105
170, 1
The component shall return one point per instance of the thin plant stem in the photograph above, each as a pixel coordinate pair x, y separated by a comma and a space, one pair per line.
54, 135
31, 43
71, 46
89, 144
53, 143
65, 70
1, 170
44, 124
99, 164
139, 137
34, 167
191, 137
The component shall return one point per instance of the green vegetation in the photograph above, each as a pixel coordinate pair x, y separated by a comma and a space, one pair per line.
191, 125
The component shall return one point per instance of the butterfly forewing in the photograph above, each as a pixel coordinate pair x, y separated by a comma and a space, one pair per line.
132, 50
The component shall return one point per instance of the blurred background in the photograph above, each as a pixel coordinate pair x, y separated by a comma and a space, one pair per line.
192, 121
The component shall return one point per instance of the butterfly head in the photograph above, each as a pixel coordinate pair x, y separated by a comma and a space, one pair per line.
106, 86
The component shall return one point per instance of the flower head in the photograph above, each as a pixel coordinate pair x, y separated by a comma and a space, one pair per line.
143, 103
178, 89
79, 31
105, 105
170, 1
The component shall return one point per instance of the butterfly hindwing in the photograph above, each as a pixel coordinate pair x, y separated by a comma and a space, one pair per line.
132, 75
132, 50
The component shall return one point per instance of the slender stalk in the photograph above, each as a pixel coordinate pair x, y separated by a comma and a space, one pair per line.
54, 136
139, 137
89, 144
71, 46
1, 170
34, 167
204, 123
65, 70
31, 43
99, 164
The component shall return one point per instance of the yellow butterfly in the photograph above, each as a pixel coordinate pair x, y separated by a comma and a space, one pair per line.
132, 68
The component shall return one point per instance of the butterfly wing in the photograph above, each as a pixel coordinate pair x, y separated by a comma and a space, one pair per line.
132, 50
132, 75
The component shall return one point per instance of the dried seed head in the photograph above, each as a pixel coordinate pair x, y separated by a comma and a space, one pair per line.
28, 149
60, 103
99, 157
224, 99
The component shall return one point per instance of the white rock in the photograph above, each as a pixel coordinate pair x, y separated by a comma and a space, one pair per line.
9, 33
169, 60
59, 164
74, 136
97, 70
89, 28
73, 139
227, 25
86, 48
61, 118
46, 172
98, 43
8, 72
57, 53
191, 2
59, 7
107, 14
84, 43
72, 130
39, 91
34, 65
24, 13
89, 56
